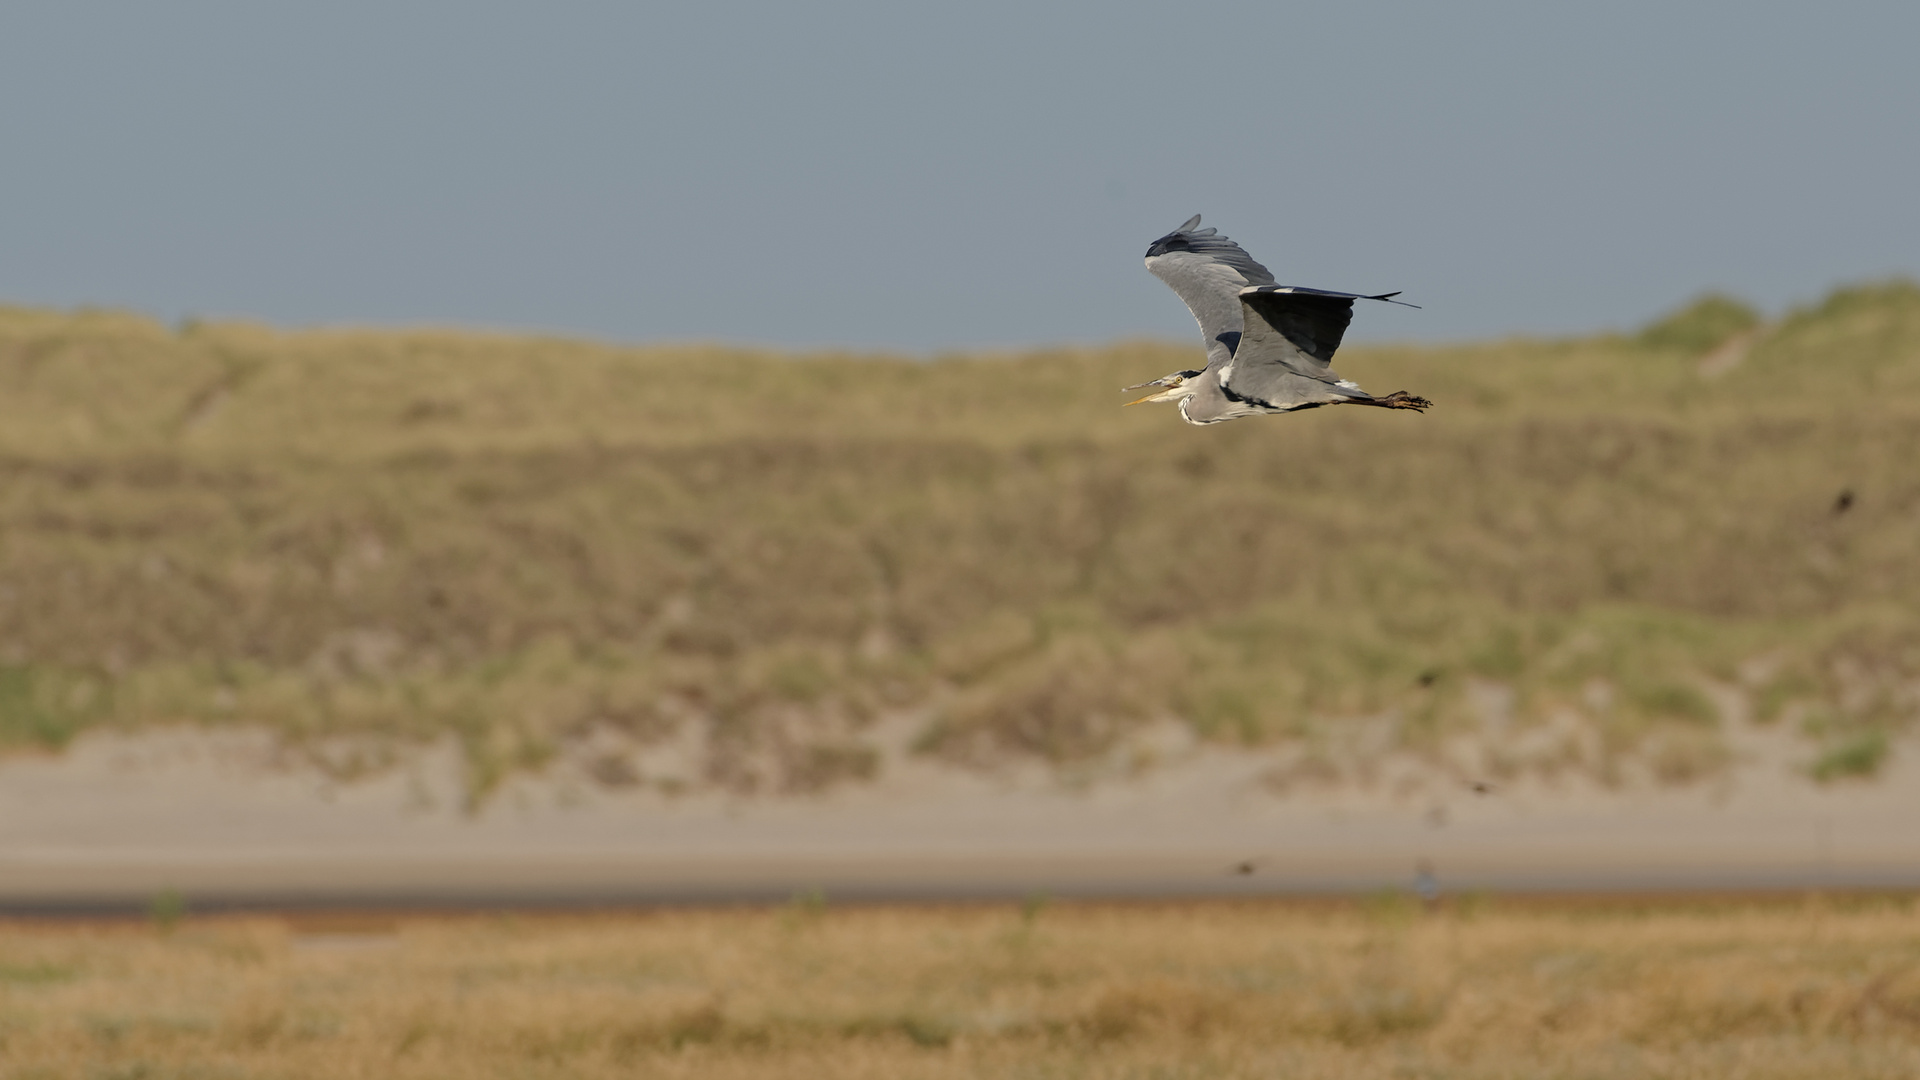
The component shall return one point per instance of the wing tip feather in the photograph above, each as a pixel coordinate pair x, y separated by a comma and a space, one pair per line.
1302, 290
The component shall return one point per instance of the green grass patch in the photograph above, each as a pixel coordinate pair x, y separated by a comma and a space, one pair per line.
1856, 757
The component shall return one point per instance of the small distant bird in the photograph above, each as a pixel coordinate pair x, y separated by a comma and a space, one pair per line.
1844, 503
1425, 885
1243, 869
1481, 787
1269, 346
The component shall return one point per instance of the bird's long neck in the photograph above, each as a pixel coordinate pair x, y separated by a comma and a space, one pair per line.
1206, 405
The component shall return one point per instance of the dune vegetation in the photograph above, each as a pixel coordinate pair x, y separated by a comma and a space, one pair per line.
1787, 989
1591, 556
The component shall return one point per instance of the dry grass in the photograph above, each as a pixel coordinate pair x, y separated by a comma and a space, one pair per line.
1777, 990
369, 540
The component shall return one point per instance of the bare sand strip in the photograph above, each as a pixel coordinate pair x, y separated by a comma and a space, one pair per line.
219, 819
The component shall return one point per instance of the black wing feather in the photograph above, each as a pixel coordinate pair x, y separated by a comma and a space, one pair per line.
1312, 322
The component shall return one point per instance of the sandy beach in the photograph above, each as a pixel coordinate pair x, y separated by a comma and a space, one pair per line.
223, 819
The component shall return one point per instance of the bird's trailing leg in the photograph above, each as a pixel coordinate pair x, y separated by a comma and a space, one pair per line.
1399, 399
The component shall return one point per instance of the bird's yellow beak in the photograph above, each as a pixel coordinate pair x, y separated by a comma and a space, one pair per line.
1161, 389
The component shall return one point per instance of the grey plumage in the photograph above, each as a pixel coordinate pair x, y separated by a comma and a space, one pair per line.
1269, 346
1207, 271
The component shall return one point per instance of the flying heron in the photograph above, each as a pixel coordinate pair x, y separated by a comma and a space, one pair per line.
1269, 346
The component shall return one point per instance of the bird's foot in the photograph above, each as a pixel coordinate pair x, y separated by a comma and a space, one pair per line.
1400, 399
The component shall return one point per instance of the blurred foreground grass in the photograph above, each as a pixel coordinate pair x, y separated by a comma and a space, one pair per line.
1586, 558
1826, 989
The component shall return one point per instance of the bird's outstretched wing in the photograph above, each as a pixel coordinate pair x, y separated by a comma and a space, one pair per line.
1286, 347
1208, 271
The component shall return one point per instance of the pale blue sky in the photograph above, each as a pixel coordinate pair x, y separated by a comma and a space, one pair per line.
929, 177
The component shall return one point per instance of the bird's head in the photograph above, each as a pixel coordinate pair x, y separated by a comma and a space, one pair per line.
1172, 387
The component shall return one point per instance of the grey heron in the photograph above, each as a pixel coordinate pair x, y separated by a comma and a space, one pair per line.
1269, 346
